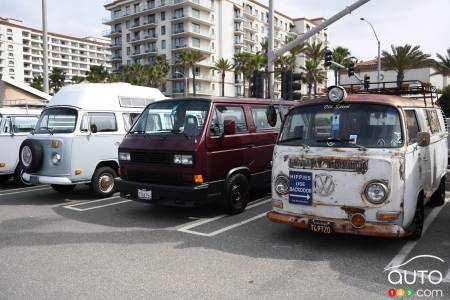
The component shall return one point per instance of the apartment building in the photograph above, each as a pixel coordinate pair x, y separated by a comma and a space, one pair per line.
142, 29
21, 52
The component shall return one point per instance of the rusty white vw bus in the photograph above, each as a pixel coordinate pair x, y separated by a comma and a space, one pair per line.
364, 164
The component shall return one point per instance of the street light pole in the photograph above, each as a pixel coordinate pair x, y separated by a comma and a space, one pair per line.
379, 50
44, 37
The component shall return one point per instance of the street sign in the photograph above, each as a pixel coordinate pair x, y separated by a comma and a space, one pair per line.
300, 188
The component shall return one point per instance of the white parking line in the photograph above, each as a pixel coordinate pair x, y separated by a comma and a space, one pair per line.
409, 246
25, 188
26, 191
187, 229
74, 206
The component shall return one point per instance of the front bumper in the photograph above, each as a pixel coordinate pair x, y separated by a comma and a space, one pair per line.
341, 226
36, 179
171, 195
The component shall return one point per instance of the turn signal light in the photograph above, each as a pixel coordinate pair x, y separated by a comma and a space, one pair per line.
55, 144
119, 172
2, 165
277, 204
358, 220
198, 178
78, 172
387, 216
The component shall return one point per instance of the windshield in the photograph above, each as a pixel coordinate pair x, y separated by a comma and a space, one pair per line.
346, 125
57, 120
172, 117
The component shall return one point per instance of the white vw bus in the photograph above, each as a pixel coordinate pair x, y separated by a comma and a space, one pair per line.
77, 135
15, 125
363, 164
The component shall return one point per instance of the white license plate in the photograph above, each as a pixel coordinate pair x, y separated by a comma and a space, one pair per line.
145, 194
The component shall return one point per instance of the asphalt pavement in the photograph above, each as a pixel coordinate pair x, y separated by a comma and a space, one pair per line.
55, 246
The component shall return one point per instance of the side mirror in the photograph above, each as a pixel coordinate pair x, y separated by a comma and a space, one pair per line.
271, 115
94, 128
423, 139
229, 127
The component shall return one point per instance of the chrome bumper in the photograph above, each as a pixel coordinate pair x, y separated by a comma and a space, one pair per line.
35, 179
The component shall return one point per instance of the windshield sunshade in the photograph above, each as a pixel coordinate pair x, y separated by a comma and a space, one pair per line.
57, 120
348, 125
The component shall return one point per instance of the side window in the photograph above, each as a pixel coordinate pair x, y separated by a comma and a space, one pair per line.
412, 126
24, 124
235, 113
260, 118
105, 122
129, 119
7, 127
433, 121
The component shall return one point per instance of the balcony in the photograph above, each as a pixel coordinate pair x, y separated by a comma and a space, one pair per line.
115, 45
249, 39
110, 33
117, 57
150, 37
191, 17
239, 18
193, 33
199, 4
135, 40
116, 17
190, 46
250, 14
146, 24
153, 50
238, 30
238, 44
249, 27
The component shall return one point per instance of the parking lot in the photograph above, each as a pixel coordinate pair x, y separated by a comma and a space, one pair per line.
57, 246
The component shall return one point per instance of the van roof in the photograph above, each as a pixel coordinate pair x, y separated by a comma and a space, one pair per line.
237, 100
375, 98
19, 111
106, 96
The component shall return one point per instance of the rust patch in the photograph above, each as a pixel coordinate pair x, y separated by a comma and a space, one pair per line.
286, 157
349, 164
352, 210
402, 170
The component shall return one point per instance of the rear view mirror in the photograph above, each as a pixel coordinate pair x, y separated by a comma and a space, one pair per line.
271, 115
423, 139
94, 128
229, 126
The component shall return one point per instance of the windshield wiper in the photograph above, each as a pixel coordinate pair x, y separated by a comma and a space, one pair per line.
295, 139
50, 130
343, 141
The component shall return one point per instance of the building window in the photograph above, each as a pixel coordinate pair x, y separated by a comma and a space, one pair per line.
151, 19
196, 13
128, 51
151, 4
179, 27
128, 37
178, 13
195, 42
179, 86
179, 43
196, 28
163, 30
128, 62
10, 47
9, 31
163, 16
163, 44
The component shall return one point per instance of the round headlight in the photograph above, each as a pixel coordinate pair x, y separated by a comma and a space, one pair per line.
336, 94
26, 156
376, 192
56, 158
282, 185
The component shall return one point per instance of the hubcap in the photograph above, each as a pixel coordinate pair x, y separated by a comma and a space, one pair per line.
106, 183
236, 195
26, 156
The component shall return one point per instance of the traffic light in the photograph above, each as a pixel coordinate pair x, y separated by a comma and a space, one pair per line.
351, 69
328, 57
291, 85
257, 85
366, 82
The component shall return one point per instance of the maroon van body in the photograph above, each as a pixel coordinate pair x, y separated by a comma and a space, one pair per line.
219, 161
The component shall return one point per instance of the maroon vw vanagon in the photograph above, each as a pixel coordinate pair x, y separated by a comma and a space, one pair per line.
188, 152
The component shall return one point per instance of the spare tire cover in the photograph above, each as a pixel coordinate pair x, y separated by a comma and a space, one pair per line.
31, 155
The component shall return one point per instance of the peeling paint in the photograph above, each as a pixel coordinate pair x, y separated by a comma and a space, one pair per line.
330, 163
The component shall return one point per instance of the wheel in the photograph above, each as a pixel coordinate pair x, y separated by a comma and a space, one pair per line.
63, 189
102, 184
18, 179
417, 223
31, 155
4, 178
438, 198
236, 194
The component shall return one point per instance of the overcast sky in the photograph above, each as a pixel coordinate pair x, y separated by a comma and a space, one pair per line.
417, 22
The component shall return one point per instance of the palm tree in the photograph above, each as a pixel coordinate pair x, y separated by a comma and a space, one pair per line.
443, 66
341, 56
189, 59
403, 58
297, 49
285, 63
97, 74
38, 83
77, 79
313, 74
242, 66
315, 51
155, 73
223, 66
57, 79
257, 62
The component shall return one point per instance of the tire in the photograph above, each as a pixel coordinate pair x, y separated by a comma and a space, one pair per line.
438, 198
18, 179
236, 194
63, 189
102, 184
37, 153
4, 178
418, 220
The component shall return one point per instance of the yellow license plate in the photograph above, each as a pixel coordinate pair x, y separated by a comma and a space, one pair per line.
321, 226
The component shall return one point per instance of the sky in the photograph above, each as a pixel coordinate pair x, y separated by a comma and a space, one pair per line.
397, 22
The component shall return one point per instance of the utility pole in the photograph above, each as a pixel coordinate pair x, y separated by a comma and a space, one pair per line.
44, 37
272, 55
379, 50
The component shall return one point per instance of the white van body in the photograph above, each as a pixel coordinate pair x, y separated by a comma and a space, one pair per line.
325, 186
15, 125
71, 138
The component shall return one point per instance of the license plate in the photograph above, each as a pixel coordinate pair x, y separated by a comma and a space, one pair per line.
321, 226
144, 194
34, 179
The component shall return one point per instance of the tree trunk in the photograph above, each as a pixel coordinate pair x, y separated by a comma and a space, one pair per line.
315, 88
193, 81
400, 77
309, 89
243, 87
335, 77
186, 81
223, 84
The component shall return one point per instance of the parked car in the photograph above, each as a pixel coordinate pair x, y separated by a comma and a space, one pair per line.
382, 159
77, 135
15, 125
188, 152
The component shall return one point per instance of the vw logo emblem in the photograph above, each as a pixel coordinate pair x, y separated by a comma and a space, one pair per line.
324, 184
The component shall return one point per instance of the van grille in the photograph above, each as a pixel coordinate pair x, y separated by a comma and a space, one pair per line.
153, 158
156, 178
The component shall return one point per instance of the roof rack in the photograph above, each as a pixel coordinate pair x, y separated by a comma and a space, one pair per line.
413, 89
